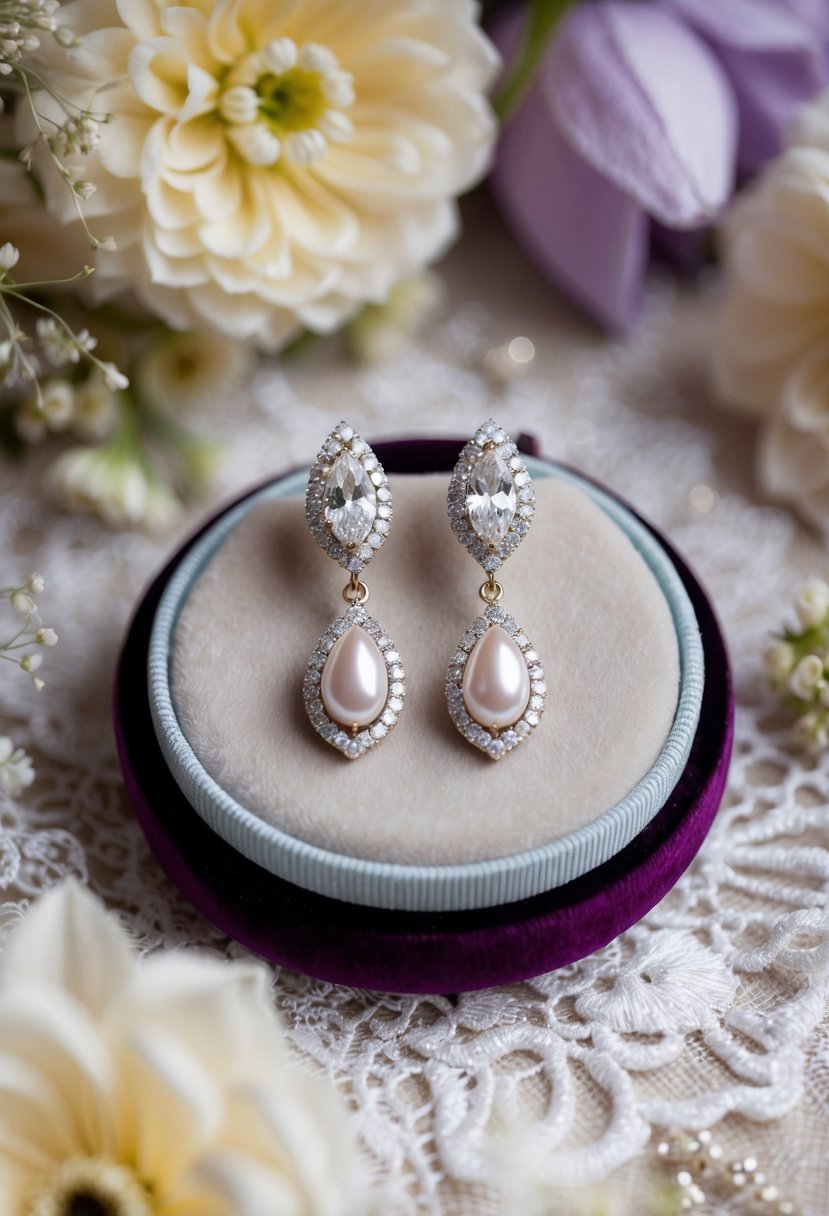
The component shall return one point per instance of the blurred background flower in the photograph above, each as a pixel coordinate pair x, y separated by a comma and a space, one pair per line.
640, 121
771, 354
268, 169
152, 1089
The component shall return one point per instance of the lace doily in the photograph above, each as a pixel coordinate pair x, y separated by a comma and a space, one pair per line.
710, 1009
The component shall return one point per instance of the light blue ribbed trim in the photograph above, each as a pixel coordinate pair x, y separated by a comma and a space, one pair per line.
412, 887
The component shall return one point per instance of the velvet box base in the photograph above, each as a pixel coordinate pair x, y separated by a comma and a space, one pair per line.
419, 951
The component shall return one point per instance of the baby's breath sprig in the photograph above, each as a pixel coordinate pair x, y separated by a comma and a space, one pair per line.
797, 664
24, 648
25, 645
72, 132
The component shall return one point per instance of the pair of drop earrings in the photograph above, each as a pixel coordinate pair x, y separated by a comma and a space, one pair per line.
355, 685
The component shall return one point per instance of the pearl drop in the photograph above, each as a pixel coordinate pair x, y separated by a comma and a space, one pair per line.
355, 683
496, 683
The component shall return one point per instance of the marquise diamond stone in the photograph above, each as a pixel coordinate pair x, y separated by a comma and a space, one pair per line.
350, 503
491, 498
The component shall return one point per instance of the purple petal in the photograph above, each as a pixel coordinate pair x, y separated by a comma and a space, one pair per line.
586, 233
774, 59
815, 14
645, 102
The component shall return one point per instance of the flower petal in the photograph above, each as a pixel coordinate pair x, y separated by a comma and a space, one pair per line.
773, 59
644, 101
300, 1126
33, 1129
158, 71
169, 1106
246, 1187
222, 1012
52, 1035
586, 233
792, 464
805, 402
69, 941
312, 215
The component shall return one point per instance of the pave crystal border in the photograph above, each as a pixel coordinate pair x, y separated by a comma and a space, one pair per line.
345, 439
354, 746
491, 437
495, 745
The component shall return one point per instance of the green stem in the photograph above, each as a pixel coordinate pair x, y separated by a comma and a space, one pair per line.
544, 16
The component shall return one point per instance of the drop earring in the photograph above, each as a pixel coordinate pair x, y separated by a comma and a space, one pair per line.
495, 687
354, 685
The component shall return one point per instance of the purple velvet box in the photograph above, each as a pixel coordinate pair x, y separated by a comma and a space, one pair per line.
419, 951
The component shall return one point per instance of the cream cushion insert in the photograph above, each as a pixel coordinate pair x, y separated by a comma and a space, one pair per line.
576, 585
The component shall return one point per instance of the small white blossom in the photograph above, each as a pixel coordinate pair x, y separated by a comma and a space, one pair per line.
46, 637
31, 662
115, 486
16, 771
9, 255
84, 189
38, 683
23, 603
779, 660
190, 370
812, 603
95, 408
57, 404
806, 677
114, 378
36, 583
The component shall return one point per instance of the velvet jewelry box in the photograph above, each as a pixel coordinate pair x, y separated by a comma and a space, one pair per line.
424, 866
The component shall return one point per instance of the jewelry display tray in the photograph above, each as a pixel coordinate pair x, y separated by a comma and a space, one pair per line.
331, 932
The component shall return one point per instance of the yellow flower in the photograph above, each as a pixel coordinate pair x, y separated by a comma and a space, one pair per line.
272, 166
154, 1089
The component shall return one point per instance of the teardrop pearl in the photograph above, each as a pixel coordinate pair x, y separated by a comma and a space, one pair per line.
496, 683
355, 683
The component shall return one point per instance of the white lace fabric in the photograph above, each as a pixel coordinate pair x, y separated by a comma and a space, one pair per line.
710, 1011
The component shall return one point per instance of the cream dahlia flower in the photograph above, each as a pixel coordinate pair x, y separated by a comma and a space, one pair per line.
273, 164
771, 353
154, 1089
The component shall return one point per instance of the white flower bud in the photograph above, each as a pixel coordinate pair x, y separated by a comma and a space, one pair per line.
46, 637
23, 603
9, 255
336, 126
280, 55
38, 683
239, 104
806, 677
338, 87
84, 189
36, 583
304, 147
812, 603
31, 662
107, 243
113, 378
778, 660
316, 58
